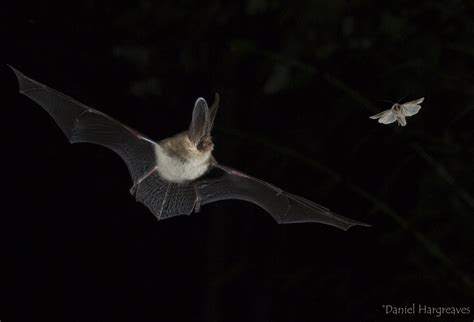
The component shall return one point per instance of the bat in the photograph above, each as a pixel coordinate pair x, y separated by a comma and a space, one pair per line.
398, 112
177, 175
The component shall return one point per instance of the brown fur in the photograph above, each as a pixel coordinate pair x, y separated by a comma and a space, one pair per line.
179, 146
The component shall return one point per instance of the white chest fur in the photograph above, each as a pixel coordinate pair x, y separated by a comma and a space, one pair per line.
177, 170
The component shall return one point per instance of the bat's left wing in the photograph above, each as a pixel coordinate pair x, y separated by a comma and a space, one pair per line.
81, 123
284, 207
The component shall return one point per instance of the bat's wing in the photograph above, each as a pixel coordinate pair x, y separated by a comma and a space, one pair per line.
81, 123
284, 207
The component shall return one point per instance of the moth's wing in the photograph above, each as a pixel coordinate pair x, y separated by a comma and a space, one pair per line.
284, 207
379, 115
410, 110
415, 102
388, 117
81, 123
413, 107
200, 122
385, 117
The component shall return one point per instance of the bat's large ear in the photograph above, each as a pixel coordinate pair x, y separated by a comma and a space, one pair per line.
213, 112
200, 122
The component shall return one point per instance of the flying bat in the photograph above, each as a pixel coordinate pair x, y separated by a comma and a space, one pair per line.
177, 175
398, 112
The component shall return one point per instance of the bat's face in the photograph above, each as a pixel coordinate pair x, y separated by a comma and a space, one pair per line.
187, 155
205, 144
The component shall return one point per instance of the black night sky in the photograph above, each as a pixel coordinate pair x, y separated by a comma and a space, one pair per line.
298, 82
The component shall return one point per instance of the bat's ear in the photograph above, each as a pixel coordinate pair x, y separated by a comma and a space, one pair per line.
200, 122
213, 112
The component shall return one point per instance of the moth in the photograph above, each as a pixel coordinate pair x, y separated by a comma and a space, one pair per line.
398, 112
176, 175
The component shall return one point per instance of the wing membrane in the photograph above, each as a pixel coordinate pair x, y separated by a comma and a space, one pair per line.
166, 199
388, 117
284, 207
410, 109
81, 123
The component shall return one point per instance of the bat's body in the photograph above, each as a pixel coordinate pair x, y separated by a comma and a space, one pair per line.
170, 176
179, 161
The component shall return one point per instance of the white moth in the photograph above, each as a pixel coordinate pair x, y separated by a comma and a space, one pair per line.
398, 112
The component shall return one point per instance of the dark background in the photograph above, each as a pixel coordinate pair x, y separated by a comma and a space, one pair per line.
298, 81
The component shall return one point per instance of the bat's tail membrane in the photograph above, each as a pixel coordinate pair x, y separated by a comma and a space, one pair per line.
166, 199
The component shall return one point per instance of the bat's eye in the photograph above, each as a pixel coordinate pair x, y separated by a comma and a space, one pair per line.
205, 144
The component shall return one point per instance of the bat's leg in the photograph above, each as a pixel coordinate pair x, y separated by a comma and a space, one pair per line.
197, 203
133, 189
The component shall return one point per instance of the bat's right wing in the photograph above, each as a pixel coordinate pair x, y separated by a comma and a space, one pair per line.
81, 123
284, 207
